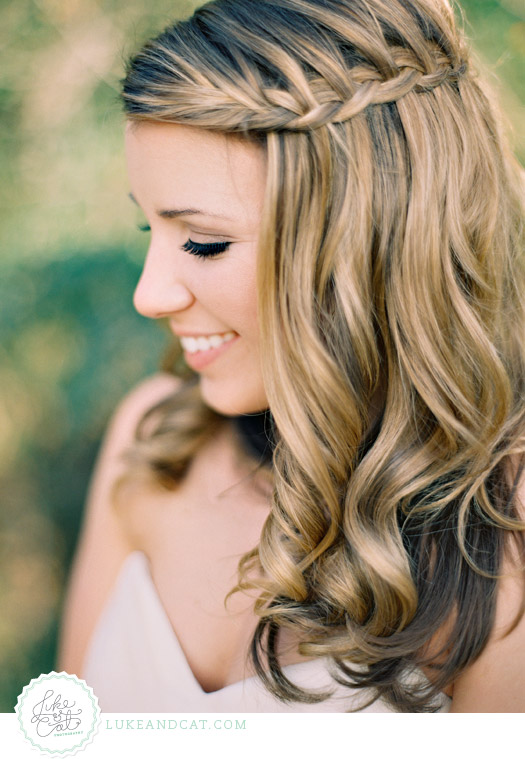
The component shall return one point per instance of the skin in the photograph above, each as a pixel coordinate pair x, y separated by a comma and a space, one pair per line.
172, 166
194, 537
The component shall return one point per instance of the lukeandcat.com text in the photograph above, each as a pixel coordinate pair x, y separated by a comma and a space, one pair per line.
173, 724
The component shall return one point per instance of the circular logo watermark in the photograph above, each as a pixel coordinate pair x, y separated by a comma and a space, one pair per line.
58, 714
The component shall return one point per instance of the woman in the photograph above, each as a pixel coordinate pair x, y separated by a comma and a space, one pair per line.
336, 244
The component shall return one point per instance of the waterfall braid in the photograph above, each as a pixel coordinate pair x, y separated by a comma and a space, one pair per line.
391, 279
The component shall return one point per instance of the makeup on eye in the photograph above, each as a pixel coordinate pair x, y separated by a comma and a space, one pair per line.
205, 250
202, 250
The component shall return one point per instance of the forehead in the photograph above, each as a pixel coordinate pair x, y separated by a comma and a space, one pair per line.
171, 163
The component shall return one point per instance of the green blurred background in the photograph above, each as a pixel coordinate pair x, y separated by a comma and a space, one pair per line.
70, 342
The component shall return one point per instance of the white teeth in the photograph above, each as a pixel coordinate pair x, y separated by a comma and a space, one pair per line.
203, 343
194, 344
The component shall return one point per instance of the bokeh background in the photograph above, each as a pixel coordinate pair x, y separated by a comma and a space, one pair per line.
70, 342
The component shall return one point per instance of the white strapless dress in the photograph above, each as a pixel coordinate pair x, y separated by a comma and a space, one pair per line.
135, 663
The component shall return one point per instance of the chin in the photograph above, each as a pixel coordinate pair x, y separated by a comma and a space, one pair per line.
234, 400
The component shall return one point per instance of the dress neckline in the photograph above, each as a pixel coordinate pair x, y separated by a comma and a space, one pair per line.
142, 563
139, 562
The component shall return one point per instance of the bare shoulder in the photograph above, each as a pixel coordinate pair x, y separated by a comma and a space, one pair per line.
120, 434
134, 405
495, 682
104, 541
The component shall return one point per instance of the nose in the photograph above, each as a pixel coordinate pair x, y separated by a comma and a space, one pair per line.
161, 290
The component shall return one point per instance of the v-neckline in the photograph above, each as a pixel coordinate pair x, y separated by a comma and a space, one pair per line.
148, 577
248, 682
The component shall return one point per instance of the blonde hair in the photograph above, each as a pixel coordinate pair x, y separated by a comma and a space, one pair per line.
390, 284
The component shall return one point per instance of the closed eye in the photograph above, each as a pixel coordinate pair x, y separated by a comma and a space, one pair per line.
203, 250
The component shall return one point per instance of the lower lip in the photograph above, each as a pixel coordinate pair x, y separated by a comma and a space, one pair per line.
201, 359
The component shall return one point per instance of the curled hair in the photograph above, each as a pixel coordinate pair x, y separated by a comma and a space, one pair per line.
390, 285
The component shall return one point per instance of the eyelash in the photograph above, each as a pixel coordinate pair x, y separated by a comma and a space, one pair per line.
205, 250
202, 250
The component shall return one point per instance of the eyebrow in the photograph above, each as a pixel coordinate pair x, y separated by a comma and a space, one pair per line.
172, 213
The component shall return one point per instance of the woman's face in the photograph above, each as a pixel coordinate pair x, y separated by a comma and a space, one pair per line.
199, 189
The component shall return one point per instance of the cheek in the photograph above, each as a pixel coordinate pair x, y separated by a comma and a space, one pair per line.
248, 305
241, 315
235, 301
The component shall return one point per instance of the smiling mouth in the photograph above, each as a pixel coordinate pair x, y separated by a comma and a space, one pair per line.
201, 344
204, 352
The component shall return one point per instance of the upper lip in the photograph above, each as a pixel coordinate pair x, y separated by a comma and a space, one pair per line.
200, 334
